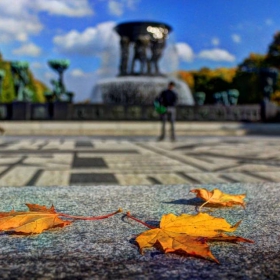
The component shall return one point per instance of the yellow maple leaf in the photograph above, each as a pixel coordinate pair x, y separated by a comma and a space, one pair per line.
39, 218
187, 234
31, 222
218, 198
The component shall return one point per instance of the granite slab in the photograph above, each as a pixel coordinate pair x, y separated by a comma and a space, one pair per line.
105, 249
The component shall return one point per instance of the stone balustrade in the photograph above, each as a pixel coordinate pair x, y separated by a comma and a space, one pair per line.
67, 111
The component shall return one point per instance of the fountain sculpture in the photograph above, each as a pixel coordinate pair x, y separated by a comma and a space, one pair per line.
140, 78
59, 92
21, 79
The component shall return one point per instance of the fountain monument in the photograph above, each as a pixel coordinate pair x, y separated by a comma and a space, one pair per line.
140, 78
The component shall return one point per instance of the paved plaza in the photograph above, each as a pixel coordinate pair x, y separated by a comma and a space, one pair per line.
64, 161
97, 175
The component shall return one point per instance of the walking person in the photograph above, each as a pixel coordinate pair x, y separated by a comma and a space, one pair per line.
168, 98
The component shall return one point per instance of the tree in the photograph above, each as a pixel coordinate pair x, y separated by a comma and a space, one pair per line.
252, 62
212, 81
8, 91
247, 78
188, 78
273, 55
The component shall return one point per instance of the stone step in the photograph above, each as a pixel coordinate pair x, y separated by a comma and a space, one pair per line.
136, 128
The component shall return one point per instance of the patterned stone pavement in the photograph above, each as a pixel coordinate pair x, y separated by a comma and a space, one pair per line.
122, 161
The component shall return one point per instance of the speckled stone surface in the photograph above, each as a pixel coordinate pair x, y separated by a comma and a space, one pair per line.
105, 249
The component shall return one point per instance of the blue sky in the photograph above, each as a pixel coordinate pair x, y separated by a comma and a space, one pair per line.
206, 33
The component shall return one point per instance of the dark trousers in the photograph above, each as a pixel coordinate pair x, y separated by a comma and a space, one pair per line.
171, 115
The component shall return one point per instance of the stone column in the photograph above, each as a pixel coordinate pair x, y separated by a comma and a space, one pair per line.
124, 43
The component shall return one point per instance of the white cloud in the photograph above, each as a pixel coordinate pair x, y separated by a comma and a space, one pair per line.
26, 8
185, 52
18, 28
29, 49
78, 73
215, 41
269, 21
92, 41
101, 41
20, 19
50, 75
236, 38
70, 8
216, 55
36, 65
131, 4
117, 7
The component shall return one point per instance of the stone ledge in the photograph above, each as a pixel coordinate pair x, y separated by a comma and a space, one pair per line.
105, 250
136, 128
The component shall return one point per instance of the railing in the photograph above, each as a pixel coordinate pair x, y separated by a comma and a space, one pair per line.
67, 111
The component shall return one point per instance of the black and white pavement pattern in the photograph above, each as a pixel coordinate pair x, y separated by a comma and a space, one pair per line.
63, 161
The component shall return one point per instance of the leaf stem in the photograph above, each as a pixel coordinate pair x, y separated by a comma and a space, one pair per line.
139, 221
200, 207
90, 218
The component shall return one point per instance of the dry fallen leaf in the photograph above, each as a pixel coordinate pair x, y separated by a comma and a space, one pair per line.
218, 198
38, 219
187, 234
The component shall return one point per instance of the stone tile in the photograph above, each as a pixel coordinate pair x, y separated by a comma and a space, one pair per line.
22, 145
67, 145
241, 177
54, 178
273, 176
88, 162
53, 145
36, 160
3, 168
208, 163
84, 144
18, 176
59, 145
268, 153
132, 179
8, 160
104, 152
170, 179
93, 179
206, 177
254, 168
52, 161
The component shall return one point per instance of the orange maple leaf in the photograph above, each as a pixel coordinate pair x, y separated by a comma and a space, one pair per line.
40, 208
218, 198
187, 234
38, 219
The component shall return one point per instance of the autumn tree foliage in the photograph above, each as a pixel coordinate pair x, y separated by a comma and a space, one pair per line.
188, 78
273, 59
273, 55
208, 80
246, 77
8, 91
